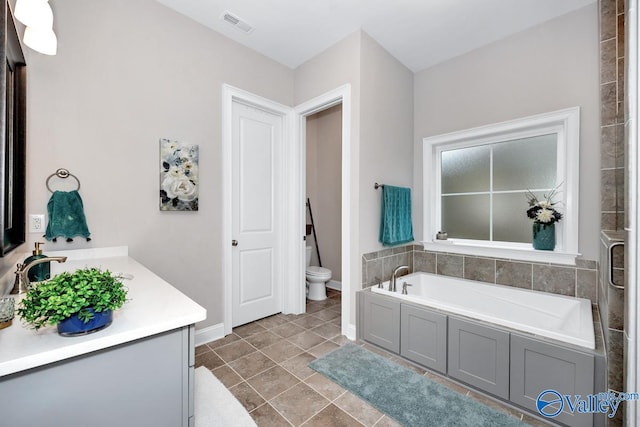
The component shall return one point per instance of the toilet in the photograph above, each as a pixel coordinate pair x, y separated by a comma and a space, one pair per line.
317, 278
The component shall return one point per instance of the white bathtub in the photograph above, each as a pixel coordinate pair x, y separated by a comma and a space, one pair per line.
559, 317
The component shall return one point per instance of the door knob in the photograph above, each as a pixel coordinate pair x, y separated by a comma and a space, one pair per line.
234, 243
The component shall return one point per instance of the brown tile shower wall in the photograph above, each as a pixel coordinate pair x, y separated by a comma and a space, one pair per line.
612, 114
580, 281
612, 177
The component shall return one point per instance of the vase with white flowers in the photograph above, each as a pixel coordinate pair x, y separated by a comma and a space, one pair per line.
544, 215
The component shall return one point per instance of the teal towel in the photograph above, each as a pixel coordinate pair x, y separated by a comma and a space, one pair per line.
395, 224
66, 216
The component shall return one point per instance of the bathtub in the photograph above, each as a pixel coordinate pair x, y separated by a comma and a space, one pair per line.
558, 317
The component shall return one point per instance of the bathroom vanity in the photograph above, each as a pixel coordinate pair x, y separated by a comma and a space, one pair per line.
137, 371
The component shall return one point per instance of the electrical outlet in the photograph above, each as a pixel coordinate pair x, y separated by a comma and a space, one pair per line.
36, 223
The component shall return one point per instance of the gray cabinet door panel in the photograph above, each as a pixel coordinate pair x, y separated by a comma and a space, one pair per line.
479, 356
423, 337
381, 321
537, 366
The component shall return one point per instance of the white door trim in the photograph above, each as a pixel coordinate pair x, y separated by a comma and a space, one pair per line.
339, 95
229, 95
295, 197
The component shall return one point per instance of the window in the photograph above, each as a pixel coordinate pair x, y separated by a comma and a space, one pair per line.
476, 182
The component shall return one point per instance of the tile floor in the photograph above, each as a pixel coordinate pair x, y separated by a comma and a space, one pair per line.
264, 364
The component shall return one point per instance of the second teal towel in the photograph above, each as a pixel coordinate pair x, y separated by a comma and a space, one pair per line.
395, 224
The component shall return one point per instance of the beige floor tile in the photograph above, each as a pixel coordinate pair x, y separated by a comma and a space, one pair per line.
358, 408
272, 382
306, 339
387, 422
252, 364
324, 386
227, 376
282, 350
332, 416
327, 330
266, 416
263, 339
272, 321
287, 330
322, 349
299, 403
208, 359
235, 350
246, 395
309, 322
326, 314
298, 365
248, 330
223, 341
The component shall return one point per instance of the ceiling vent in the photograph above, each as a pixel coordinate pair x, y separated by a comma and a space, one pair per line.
237, 22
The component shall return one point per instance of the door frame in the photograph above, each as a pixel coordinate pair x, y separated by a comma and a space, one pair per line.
340, 95
294, 166
230, 95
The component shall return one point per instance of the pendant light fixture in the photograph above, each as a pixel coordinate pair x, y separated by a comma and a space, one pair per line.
38, 18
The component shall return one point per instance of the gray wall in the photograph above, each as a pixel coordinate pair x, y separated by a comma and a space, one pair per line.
386, 135
546, 68
126, 74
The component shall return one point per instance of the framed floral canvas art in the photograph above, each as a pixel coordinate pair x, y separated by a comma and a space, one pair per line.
178, 176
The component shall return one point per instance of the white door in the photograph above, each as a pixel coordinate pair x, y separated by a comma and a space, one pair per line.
257, 187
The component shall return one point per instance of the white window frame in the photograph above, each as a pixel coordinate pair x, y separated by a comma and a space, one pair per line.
566, 124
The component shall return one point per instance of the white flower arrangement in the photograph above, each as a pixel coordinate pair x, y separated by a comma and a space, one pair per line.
543, 211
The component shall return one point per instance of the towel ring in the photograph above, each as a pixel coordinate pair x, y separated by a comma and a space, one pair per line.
62, 173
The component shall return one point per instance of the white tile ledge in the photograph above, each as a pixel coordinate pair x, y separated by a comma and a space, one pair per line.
512, 253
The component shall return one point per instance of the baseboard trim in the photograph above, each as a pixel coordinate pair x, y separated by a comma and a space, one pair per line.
351, 332
335, 285
209, 334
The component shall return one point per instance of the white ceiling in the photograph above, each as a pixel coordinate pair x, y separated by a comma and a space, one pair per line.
419, 33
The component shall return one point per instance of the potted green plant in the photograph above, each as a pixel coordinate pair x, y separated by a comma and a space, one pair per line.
78, 302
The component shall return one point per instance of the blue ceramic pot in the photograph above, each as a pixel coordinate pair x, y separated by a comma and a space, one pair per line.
73, 326
544, 236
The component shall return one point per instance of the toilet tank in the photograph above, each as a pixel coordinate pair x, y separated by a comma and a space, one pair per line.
308, 256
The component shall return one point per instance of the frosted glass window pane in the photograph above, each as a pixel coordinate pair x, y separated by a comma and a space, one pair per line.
525, 163
466, 217
510, 222
465, 170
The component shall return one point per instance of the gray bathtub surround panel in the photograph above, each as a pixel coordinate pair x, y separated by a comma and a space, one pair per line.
587, 284
616, 308
516, 274
580, 281
615, 360
554, 279
450, 265
379, 265
480, 269
612, 146
424, 261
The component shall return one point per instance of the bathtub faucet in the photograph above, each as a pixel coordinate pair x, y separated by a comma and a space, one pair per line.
394, 276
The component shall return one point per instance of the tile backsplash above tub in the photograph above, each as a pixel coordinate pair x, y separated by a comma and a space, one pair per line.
579, 281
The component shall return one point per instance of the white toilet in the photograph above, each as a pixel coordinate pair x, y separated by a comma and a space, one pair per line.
317, 278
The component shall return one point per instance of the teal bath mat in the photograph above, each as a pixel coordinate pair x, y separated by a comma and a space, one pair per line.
402, 394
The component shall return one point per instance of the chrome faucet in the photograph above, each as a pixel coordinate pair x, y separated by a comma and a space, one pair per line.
22, 279
394, 276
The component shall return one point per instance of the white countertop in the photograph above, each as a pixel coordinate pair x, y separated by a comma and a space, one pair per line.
153, 306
